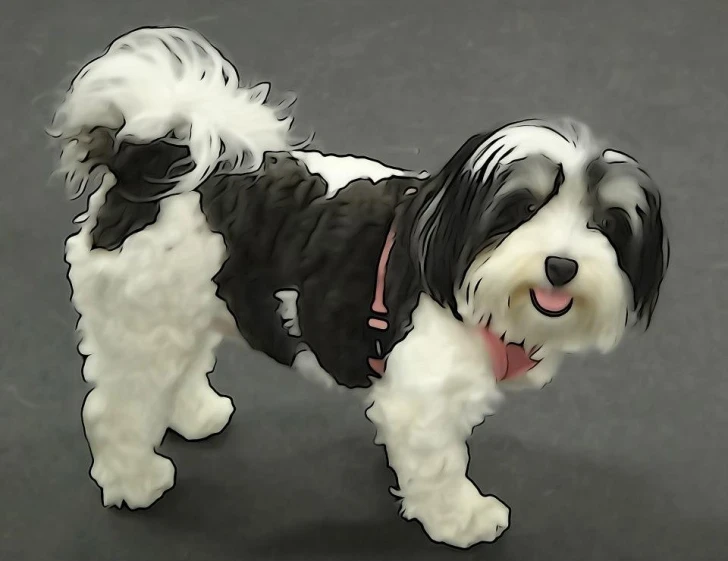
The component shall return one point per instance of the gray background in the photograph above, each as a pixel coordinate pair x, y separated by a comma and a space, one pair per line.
622, 458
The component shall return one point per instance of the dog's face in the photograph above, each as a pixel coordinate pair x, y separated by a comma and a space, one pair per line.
544, 236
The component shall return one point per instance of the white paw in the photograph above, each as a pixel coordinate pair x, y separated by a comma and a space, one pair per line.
209, 417
473, 519
139, 484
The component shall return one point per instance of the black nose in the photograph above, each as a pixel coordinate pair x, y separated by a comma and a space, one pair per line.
560, 270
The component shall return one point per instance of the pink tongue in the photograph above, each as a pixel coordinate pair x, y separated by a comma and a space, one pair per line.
551, 300
508, 360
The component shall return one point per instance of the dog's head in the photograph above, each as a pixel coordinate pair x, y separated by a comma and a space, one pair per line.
545, 236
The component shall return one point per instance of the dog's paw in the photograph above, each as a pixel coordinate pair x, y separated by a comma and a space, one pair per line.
203, 417
138, 484
473, 519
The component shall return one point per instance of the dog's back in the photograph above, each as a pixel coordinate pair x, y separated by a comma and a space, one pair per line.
286, 238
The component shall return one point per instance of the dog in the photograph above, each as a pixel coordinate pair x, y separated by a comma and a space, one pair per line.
207, 219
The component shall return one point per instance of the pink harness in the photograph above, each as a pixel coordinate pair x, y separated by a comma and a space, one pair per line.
379, 309
508, 360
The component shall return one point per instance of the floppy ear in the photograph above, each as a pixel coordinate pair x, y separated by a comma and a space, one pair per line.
643, 258
444, 219
654, 254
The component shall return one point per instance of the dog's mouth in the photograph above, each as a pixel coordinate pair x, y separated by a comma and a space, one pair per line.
551, 303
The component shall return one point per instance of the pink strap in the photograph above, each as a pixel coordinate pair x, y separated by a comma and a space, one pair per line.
378, 305
376, 363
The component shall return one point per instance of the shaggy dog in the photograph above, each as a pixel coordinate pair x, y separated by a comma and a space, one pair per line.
206, 219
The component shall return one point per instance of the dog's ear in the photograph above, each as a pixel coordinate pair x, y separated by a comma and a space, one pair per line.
654, 254
444, 220
644, 256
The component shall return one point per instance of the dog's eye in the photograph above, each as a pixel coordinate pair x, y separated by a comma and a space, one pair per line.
616, 225
511, 210
523, 203
522, 209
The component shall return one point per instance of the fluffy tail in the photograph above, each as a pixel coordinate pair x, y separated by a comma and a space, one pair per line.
172, 84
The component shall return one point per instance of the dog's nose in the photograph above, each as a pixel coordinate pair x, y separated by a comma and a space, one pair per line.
560, 270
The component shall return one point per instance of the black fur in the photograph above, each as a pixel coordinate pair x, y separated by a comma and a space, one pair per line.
446, 247
644, 258
127, 209
283, 233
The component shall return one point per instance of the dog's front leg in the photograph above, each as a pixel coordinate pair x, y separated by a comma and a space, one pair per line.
436, 388
425, 436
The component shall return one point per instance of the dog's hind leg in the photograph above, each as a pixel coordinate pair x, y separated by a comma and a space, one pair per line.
124, 421
147, 312
199, 411
154, 117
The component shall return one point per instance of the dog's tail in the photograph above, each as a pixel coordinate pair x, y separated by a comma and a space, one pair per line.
169, 84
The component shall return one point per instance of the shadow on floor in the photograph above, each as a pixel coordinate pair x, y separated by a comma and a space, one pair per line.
562, 506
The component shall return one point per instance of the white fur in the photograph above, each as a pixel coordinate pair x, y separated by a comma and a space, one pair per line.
145, 327
521, 139
437, 387
339, 171
154, 83
288, 311
601, 289
151, 320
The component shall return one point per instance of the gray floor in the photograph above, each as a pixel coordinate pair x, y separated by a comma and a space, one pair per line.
623, 458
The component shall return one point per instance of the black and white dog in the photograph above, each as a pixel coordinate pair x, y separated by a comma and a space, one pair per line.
207, 220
